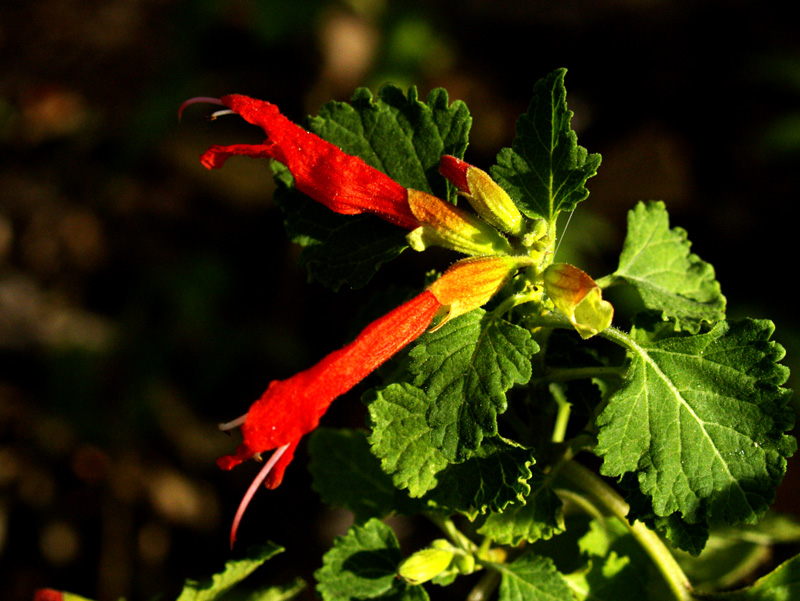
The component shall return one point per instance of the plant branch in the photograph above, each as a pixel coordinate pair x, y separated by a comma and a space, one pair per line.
676, 579
565, 374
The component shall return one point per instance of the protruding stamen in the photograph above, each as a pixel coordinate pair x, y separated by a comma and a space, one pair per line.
248, 496
198, 100
216, 114
233, 423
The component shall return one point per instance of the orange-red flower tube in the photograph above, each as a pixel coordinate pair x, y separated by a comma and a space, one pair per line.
291, 408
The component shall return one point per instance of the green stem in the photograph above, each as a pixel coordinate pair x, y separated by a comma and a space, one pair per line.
447, 526
562, 417
566, 374
607, 497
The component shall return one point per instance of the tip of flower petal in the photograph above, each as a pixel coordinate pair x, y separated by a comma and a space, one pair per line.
198, 100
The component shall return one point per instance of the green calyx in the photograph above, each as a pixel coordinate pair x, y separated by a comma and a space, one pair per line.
443, 224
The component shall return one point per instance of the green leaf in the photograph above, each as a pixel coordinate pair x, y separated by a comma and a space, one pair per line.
235, 571
346, 474
402, 438
617, 569
466, 367
338, 249
656, 261
545, 170
531, 578
701, 420
395, 133
682, 535
539, 516
398, 134
460, 375
782, 584
279, 593
495, 476
363, 565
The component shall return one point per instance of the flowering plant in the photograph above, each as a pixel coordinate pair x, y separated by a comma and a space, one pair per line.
513, 380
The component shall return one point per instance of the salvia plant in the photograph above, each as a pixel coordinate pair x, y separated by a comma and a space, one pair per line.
565, 450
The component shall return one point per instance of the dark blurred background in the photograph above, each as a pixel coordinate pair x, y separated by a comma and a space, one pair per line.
143, 299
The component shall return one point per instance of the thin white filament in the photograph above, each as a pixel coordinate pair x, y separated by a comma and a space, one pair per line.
564, 231
248, 496
216, 114
233, 423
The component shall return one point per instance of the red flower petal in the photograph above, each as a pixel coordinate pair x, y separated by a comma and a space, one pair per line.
47, 594
342, 182
455, 170
291, 408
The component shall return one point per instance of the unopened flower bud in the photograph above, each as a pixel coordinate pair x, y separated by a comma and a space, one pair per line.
471, 283
444, 224
577, 296
488, 199
425, 565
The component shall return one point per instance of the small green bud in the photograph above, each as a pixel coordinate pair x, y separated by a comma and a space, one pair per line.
488, 199
425, 565
493, 203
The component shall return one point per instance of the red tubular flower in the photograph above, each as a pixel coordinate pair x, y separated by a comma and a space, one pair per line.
291, 408
342, 182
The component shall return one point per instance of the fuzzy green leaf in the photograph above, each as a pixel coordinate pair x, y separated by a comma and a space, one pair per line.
690, 538
461, 374
402, 438
539, 516
396, 133
531, 578
545, 170
702, 421
363, 565
656, 261
495, 476
466, 367
346, 474
235, 571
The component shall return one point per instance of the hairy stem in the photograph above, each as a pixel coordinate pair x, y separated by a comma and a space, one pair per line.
608, 498
447, 526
